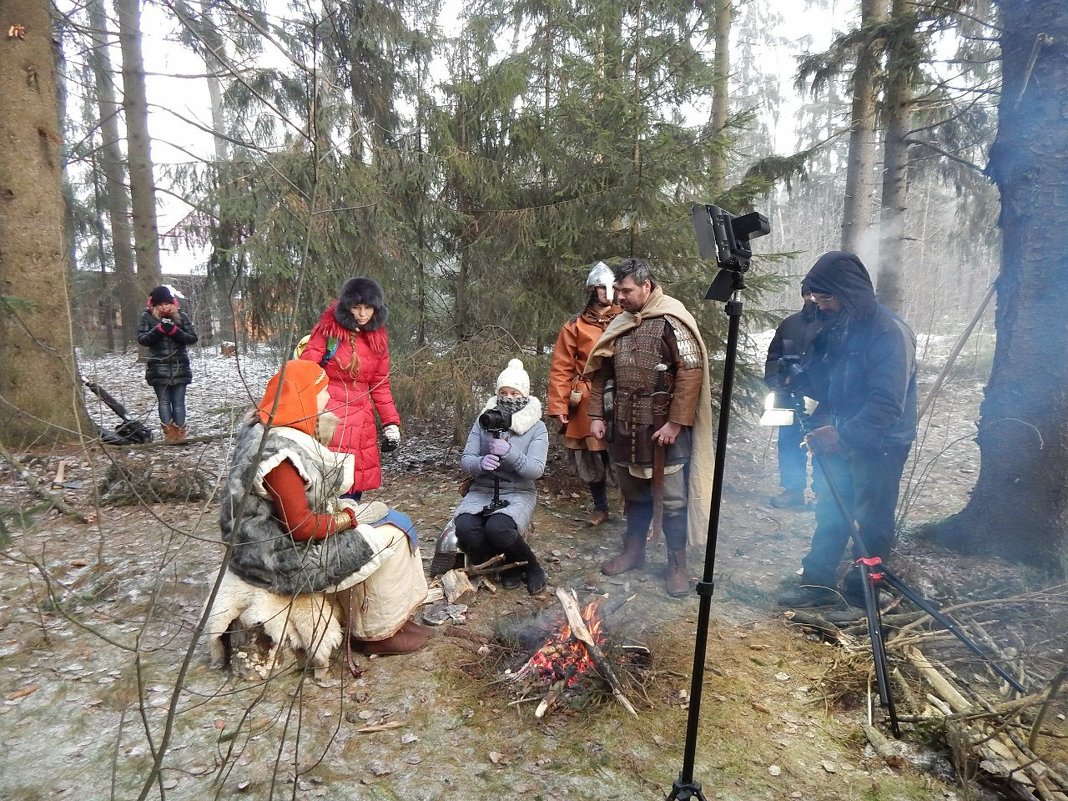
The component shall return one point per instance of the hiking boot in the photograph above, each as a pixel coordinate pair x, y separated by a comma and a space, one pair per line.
676, 582
788, 499
598, 518
807, 596
633, 556
512, 578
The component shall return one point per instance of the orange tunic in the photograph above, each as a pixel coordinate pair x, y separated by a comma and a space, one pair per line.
573, 346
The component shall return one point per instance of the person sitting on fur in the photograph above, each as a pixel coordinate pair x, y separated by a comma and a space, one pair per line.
503, 465
289, 532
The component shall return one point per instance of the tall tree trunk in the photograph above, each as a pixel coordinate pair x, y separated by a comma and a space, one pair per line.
1019, 507
860, 163
223, 266
40, 394
138, 145
107, 304
900, 72
720, 96
115, 192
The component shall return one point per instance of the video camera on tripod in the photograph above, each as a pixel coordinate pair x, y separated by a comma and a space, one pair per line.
724, 237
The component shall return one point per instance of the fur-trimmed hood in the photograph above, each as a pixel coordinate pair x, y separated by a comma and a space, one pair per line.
357, 291
524, 419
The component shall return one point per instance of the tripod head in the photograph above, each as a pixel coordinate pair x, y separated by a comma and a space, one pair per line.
724, 237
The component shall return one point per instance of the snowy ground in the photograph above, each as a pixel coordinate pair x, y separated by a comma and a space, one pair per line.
100, 652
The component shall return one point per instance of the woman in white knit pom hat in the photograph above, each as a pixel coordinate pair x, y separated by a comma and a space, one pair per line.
508, 442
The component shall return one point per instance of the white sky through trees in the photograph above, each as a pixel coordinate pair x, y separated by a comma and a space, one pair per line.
180, 116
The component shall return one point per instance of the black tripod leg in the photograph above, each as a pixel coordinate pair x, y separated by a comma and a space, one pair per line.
951, 627
875, 633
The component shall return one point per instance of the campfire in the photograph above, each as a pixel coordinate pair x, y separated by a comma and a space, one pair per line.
570, 653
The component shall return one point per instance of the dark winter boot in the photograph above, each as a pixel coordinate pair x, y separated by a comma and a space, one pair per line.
519, 551
676, 581
633, 556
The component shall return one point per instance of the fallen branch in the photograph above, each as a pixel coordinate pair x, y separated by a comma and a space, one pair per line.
883, 747
393, 724
550, 697
38, 490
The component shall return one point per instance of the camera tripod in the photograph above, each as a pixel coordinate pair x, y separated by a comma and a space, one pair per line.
722, 236
874, 576
685, 788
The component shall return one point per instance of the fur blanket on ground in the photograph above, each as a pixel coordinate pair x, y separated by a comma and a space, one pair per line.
252, 630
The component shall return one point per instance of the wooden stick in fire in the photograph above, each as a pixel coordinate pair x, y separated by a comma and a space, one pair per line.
578, 628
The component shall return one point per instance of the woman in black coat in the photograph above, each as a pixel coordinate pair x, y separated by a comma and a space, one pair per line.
166, 330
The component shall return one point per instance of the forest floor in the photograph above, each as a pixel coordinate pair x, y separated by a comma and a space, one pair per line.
100, 672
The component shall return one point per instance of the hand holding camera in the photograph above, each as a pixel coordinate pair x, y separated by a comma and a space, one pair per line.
499, 447
490, 462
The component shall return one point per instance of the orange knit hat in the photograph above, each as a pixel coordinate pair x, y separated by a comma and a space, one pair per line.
296, 393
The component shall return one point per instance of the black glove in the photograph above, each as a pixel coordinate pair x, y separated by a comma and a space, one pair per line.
169, 326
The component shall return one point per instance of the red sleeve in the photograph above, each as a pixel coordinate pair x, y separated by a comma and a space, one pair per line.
381, 391
286, 489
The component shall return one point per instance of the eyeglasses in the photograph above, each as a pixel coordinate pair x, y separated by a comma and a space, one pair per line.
819, 297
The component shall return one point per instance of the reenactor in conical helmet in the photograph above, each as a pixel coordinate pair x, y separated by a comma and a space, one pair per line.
569, 390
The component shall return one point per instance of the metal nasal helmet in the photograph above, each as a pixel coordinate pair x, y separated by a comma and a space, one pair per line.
602, 275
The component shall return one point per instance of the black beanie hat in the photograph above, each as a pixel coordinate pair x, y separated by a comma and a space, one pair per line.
160, 295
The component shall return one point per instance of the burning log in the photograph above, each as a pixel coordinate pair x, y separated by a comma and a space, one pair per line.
582, 633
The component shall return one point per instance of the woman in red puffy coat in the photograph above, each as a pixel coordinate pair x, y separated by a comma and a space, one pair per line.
350, 342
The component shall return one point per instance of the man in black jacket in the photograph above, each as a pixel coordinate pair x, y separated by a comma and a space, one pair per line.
791, 342
862, 370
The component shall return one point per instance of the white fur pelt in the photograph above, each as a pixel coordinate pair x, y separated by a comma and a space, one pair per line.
307, 624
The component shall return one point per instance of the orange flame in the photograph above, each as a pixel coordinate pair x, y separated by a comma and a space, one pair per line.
565, 657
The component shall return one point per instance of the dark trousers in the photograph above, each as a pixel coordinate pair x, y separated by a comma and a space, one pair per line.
484, 536
638, 497
868, 483
171, 402
793, 459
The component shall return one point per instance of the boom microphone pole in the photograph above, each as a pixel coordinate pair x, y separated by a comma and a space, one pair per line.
722, 236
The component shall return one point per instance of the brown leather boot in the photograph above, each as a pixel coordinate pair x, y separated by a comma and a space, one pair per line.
633, 556
598, 518
179, 434
676, 581
168, 433
405, 641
